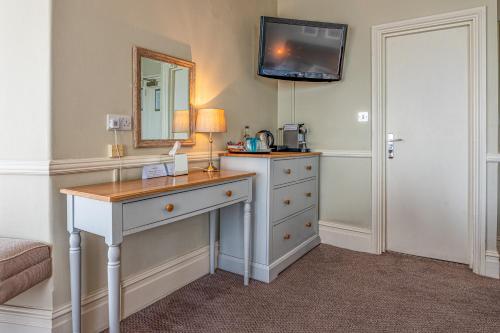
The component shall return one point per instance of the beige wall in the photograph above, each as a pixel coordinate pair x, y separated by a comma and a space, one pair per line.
92, 65
330, 109
92, 76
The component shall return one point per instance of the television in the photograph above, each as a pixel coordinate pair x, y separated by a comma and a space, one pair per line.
301, 50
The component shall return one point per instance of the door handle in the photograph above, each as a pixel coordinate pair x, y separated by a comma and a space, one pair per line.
390, 145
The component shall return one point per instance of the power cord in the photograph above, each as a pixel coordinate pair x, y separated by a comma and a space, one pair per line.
119, 156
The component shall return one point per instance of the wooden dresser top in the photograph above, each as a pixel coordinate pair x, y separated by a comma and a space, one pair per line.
271, 155
119, 191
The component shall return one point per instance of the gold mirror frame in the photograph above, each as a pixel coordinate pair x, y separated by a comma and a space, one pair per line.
138, 53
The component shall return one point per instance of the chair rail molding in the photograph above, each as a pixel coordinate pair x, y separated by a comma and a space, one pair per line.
344, 153
475, 20
69, 166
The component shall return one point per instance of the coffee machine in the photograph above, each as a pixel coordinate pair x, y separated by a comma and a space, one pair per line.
294, 137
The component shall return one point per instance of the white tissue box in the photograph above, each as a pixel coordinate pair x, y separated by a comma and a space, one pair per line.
179, 166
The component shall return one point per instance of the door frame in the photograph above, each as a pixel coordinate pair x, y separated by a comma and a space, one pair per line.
475, 20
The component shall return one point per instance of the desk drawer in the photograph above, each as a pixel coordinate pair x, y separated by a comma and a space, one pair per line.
143, 212
290, 233
291, 199
284, 171
307, 167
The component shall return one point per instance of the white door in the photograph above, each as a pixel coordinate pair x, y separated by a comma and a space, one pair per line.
427, 180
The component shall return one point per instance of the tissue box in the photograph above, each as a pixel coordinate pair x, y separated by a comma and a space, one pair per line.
179, 166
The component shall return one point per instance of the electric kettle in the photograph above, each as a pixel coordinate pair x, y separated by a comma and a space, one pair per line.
266, 139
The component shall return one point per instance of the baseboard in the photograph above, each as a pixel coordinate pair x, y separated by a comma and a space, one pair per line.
14, 319
267, 273
344, 236
492, 266
138, 292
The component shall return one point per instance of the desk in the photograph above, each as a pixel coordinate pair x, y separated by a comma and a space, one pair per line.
114, 210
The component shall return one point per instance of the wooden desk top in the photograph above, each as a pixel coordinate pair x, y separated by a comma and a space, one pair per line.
119, 191
271, 155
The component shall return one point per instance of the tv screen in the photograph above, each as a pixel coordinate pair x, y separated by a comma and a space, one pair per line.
301, 50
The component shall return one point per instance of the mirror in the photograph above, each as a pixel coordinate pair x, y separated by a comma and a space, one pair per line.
163, 99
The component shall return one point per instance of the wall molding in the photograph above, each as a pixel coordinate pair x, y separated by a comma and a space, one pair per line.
138, 291
345, 236
344, 153
493, 158
70, 166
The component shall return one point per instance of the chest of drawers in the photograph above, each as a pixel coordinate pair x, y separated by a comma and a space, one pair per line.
285, 225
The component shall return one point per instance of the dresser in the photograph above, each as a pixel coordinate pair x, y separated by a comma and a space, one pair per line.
115, 210
285, 224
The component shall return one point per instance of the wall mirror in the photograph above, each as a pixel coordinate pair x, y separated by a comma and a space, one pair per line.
163, 99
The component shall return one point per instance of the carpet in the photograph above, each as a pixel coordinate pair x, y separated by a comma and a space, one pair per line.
333, 290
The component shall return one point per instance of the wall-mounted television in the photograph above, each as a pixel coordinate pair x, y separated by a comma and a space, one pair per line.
301, 50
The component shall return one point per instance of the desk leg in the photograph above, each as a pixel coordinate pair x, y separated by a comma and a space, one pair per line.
114, 287
247, 217
75, 272
213, 227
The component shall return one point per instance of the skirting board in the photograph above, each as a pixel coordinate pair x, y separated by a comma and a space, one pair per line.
492, 268
138, 292
267, 273
344, 236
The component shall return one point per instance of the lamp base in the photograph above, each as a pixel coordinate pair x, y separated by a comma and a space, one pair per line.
211, 168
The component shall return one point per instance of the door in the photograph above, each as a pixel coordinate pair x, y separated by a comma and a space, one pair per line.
427, 178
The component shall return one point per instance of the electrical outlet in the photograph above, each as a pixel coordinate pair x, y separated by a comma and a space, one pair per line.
118, 122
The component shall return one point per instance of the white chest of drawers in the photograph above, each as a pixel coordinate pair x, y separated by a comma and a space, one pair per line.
285, 225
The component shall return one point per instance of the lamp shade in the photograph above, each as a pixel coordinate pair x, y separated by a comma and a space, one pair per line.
210, 121
181, 121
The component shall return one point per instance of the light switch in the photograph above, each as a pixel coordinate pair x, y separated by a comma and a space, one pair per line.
362, 117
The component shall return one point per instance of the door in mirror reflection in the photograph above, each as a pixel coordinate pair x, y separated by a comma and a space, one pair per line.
165, 100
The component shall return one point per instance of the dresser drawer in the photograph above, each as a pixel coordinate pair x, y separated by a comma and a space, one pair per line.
291, 199
143, 212
307, 167
291, 232
284, 171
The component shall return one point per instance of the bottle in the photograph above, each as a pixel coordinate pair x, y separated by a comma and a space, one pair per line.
246, 134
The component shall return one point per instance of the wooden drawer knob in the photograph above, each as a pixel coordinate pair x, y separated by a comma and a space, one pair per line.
308, 194
309, 224
288, 171
169, 208
287, 237
287, 201
229, 193
309, 167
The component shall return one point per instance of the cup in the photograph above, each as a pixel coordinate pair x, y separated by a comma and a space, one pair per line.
251, 144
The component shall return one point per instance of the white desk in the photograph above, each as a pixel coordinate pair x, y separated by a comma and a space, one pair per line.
114, 210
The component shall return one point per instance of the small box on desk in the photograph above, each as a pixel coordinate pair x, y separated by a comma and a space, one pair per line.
179, 166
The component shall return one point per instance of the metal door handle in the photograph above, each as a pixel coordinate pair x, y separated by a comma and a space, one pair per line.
390, 145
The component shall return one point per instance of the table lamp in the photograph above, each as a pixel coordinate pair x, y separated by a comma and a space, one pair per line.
210, 121
181, 121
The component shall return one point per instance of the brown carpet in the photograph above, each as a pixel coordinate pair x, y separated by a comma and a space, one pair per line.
333, 290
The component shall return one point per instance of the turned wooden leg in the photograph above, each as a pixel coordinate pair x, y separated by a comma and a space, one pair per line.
114, 287
75, 262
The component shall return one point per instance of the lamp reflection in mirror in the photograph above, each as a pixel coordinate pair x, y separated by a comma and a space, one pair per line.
181, 121
210, 121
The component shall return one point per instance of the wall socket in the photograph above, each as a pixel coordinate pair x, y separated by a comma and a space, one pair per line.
362, 117
118, 122
116, 150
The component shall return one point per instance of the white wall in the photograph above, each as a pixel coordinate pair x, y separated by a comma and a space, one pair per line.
25, 79
330, 109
